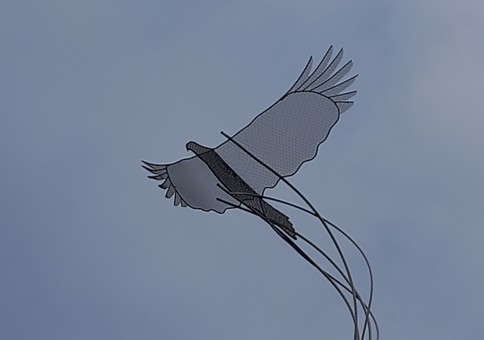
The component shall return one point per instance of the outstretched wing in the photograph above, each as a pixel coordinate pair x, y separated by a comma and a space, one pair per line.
192, 184
289, 132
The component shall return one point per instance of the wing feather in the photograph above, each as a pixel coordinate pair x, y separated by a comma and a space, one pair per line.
344, 106
337, 89
304, 75
343, 96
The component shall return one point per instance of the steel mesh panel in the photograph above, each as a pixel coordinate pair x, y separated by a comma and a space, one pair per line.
283, 137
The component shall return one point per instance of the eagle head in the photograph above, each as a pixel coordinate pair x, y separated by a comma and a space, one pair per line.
196, 148
192, 146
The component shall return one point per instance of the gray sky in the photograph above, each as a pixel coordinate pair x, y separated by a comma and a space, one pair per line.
90, 249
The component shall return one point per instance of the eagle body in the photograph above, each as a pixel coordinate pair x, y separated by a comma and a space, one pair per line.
242, 192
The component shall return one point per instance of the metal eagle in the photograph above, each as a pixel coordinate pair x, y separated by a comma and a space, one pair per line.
272, 147
284, 136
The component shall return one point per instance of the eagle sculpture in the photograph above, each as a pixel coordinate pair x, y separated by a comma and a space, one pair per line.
271, 147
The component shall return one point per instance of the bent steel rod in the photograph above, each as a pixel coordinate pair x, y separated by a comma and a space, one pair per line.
327, 275
366, 307
333, 281
328, 230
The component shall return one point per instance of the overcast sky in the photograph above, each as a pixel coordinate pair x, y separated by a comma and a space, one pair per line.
90, 248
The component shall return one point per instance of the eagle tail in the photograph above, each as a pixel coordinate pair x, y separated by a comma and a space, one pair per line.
278, 218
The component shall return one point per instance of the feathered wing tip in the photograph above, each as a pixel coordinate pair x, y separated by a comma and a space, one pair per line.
326, 80
160, 173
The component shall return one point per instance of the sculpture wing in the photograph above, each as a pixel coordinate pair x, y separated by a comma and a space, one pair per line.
192, 184
289, 132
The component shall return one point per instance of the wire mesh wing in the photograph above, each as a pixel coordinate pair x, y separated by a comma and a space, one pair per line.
192, 184
289, 132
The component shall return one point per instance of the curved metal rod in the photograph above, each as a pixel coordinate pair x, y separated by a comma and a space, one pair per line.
329, 259
364, 306
328, 275
370, 273
328, 230
301, 252
367, 307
